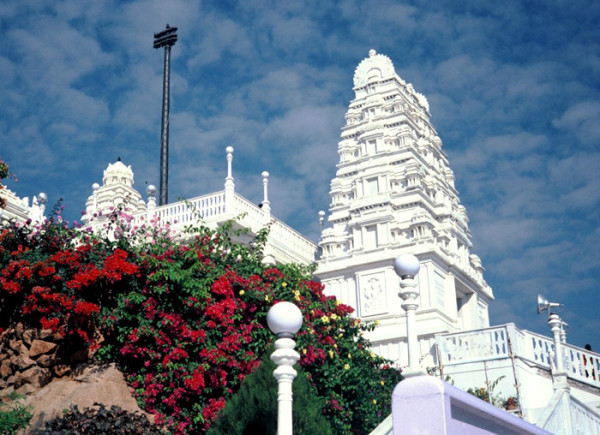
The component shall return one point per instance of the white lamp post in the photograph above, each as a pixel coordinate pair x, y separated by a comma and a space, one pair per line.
559, 375
95, 188
151, 191
284, 320
407, 266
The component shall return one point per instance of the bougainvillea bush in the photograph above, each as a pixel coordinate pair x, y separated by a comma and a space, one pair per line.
186, 318
3, 175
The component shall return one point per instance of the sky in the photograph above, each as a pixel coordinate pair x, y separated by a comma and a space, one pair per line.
513, 88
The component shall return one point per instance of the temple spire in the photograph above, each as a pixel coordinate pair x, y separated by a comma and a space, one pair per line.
394, 194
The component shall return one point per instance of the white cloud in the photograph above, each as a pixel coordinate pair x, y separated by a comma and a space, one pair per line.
515, 104
583, 120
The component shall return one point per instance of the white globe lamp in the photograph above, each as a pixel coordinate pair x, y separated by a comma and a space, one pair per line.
284, 319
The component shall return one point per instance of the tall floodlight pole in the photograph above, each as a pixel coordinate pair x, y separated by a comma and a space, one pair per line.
166, 39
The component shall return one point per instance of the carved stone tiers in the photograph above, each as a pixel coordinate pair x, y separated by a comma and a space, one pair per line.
394, 193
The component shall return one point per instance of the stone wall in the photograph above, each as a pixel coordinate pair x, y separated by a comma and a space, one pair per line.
31, 358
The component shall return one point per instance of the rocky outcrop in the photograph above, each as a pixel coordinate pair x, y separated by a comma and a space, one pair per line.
29, 359
95, 384
38, 365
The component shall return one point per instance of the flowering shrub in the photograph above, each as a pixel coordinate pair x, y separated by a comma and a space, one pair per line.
487, 393
3, 175
511, 403
187, 320
51, 279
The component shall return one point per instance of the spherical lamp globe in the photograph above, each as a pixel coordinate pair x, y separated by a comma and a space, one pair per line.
407, 265
284, 319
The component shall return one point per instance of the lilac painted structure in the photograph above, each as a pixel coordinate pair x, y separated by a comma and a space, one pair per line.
428, 405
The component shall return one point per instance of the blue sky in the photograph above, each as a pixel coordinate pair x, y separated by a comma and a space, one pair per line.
513, 88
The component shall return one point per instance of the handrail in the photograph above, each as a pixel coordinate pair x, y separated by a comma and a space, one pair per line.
563, 406
492, 343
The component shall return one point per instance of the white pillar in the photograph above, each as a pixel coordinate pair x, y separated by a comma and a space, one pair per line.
151, 205
284, 319
95, 188
559, 375
266, 205
321, 219
229, 185
563, 332
407, 266
285, 357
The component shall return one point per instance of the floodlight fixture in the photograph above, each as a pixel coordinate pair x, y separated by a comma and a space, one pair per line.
544, 305
166, 37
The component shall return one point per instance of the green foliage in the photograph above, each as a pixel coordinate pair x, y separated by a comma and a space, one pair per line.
14, 415
100, 421
487, 394
253, 409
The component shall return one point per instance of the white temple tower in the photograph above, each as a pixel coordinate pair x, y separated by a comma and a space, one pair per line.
394, 193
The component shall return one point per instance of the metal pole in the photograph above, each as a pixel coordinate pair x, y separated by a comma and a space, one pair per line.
164, 130
166, 39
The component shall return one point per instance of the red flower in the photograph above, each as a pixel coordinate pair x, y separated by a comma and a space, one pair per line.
86, 308
196, 382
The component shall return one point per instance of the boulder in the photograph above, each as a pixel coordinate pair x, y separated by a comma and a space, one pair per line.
29, 335
5, 369
39, 347
61, 370
22, 361
19, 329
17, 345
26, 389
46, 361
104, 385
36, 376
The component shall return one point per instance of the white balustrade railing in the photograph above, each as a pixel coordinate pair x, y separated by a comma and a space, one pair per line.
582, 365
281, 236
286, 237
493, 343
583, 420
566, 415
472, 346
182, 213
288, 245
537, 349
251, 216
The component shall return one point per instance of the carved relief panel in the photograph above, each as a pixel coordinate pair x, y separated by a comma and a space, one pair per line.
373, 295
